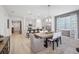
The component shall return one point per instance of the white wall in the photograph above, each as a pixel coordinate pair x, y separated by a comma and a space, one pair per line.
3, 22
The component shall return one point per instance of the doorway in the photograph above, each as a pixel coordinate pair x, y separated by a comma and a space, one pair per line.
17, 27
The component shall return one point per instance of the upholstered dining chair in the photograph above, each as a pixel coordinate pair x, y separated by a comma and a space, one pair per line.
37, 44
59, 36
54, 39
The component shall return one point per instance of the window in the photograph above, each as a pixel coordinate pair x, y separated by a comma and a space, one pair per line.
68, 22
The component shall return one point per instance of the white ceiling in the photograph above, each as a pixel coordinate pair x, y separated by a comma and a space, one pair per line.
39, 10
61, 9
26, 10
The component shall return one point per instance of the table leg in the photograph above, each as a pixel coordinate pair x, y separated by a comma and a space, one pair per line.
46, 44
60, 41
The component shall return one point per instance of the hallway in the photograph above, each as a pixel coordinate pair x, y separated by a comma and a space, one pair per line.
19, 44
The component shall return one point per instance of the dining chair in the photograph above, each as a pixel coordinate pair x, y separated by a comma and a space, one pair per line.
59, 36
54, 39
36, 44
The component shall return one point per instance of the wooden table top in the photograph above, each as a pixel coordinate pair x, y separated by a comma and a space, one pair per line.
44, 34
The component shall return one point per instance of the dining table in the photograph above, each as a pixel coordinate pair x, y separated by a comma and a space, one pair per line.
44, 35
